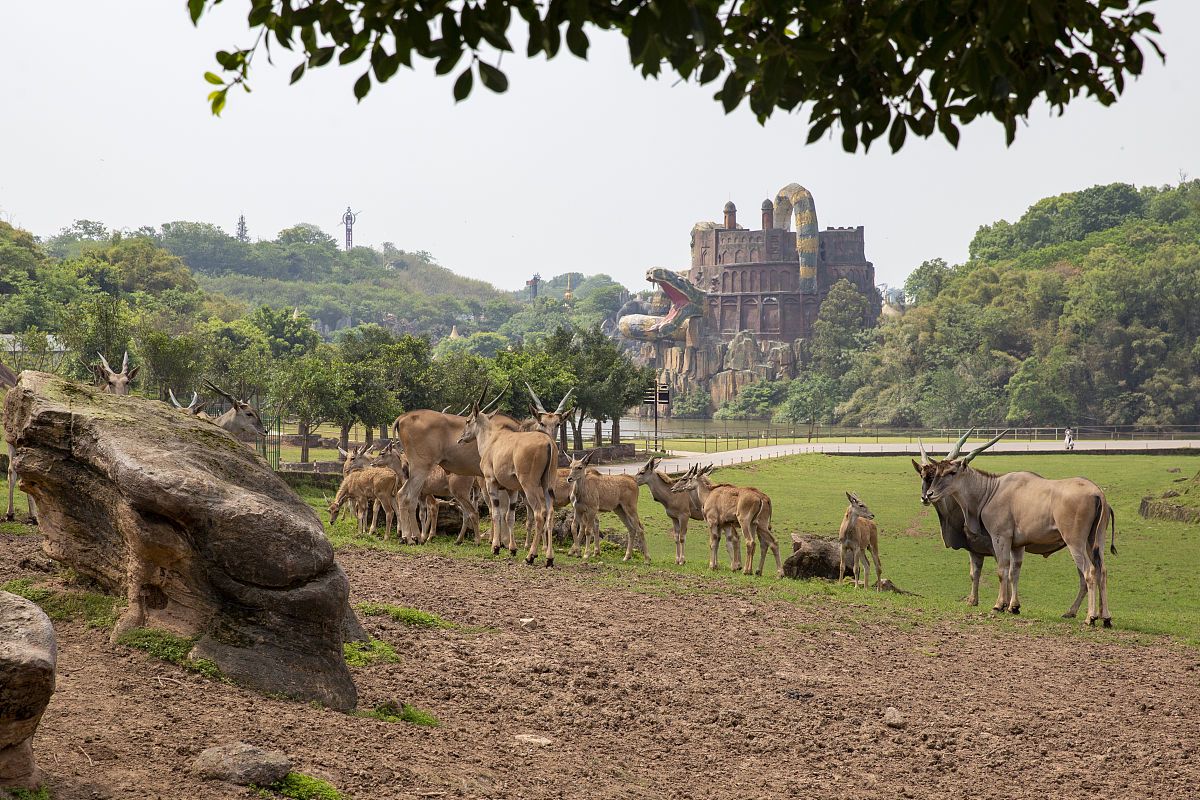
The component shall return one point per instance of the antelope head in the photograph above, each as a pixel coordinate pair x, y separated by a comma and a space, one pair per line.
195, 408
859, 507
938, 478
353, 459
110, 380
477, 421
647, 470
548, 422
578, 465
691, 478
241, 416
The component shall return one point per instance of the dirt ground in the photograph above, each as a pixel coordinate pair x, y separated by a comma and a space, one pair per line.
647, 685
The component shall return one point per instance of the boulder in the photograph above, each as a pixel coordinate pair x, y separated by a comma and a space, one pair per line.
743, 351
242, 764
813, 557
192, 527
27, 656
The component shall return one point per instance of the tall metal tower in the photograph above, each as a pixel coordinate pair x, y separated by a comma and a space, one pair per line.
348, 220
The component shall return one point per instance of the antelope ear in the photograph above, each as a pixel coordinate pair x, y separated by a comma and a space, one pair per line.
133, 372
587, 457
916, 466
850, 497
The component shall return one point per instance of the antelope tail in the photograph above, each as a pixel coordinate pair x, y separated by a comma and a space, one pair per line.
548, 474
1096, 534
396, 428
1112, 518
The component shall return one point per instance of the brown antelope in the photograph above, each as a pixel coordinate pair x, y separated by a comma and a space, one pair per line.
857, 535
680, 506
438, 484
8, 381
353, 492
430, 439
110, 380
592, 493
194, 408
514, 461
1021, 511
548, 422
726, 506
241, 418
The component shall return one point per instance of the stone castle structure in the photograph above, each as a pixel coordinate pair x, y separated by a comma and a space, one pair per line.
744, 310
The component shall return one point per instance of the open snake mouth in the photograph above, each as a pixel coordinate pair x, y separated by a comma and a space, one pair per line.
686, 302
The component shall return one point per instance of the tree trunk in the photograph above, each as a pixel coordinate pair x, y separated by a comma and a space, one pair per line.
562, 437
344, 436
598, 437
577, 432
616, 432
370, 429
384, 433
303, 431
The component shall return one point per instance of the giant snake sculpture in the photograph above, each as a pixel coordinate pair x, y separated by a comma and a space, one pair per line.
687, 300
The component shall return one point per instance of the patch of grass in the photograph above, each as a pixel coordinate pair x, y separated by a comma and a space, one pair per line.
298, 786
17, 528
97, 610
372, 651
173, 649
391, 712
41, 793
404, 615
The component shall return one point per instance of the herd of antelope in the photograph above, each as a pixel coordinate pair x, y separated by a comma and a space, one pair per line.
435, 457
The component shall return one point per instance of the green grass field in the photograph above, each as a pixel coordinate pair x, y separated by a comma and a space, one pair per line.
1154, 583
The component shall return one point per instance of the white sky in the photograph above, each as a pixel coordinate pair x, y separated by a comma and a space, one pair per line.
579, 166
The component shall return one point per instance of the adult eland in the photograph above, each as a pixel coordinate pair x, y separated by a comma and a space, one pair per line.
1005, 515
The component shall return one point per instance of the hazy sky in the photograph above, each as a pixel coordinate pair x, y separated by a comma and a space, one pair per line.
580, 166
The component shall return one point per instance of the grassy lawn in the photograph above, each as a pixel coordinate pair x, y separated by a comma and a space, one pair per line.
1154, 583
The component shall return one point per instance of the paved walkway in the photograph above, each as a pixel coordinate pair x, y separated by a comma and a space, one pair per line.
683, 460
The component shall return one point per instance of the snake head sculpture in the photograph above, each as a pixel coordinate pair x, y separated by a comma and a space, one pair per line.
686, 301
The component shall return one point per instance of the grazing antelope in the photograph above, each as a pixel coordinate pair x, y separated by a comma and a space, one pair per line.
515, 461
857, 535
592, 493
194, 408
241, 418
110, 380
438, 484
353, 492
1021, 511
726, 506
680, 506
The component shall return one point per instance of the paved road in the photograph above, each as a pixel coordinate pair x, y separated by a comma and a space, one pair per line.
682, 461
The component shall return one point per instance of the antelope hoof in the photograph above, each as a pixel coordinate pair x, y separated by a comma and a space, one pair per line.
972, 601
626, 558
1000, 609
529, 560
512, 551
496, 550
1014, 609
758, 572
549, 562
9, 517
778, 573
1092, 621
1108, 622
1069, 615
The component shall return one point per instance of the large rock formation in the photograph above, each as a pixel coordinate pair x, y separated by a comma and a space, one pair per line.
192, 527
27, 656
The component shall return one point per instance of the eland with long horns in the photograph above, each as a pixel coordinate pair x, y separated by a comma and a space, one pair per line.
1005, 515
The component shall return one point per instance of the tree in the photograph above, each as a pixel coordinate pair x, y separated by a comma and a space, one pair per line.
835, 333
314, 387
810, 398
752, 402
288, 334
924, 282
691, 405
890, 67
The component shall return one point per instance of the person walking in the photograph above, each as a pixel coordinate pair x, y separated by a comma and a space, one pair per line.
1069, 439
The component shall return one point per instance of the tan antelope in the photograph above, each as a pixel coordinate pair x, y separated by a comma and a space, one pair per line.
1021, 511
354, 493
857, 535
514, 461
439, 484
592, 493
194, 408
8, 381
680, 506
726, 506
241, 418
429, 439
548, 422
110, 380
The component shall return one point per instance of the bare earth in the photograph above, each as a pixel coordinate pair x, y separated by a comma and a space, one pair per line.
648, 685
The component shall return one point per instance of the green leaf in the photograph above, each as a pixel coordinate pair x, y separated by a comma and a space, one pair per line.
214, 79
217, 99
462, 86
195, 9
362, 86
297, 73
492, 78
897, 133
577, 41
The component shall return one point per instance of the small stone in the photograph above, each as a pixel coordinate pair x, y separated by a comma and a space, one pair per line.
242, 764
748, 612
529, 738
27, 658
893, 718
528, 623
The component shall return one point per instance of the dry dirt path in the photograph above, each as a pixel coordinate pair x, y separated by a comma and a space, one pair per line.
649, 685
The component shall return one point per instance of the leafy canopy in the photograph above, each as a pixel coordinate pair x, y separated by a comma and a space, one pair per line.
885, 67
